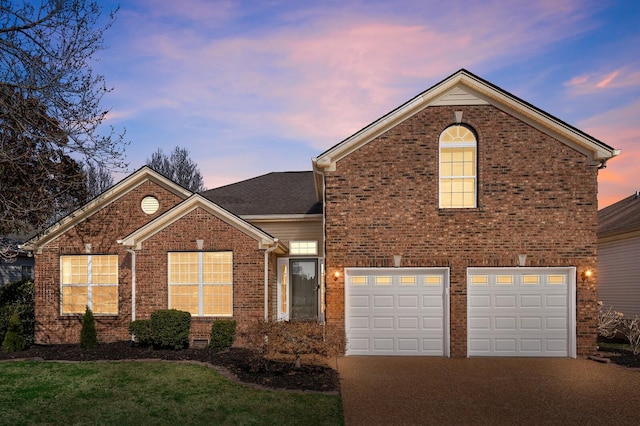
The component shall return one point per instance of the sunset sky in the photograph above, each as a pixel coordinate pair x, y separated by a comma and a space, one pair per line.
251, 87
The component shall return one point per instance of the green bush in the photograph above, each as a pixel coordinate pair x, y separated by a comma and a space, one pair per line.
170, 328
88, 334
141, 329
222, 334
13, 338
18, 296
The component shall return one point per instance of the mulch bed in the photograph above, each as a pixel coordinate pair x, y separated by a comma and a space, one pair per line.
245, 364
621, 357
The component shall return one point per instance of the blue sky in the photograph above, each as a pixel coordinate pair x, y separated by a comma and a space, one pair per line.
251, 87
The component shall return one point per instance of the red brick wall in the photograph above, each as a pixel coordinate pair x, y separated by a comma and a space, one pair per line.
536, 196
119, 219
101, 230
248, 270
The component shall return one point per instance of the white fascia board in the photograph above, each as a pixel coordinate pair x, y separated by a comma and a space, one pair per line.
108, 197
492, 95
136, 238
543, 122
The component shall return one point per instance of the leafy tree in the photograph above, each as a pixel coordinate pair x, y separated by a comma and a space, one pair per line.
178, 167
50, 109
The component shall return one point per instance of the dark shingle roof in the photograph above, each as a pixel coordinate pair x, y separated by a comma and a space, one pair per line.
619, 218
271, 194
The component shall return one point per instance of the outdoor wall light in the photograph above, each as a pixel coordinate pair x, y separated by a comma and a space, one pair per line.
585, 275
336, 275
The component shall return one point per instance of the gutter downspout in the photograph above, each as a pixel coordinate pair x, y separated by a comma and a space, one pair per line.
266, 278
133, 285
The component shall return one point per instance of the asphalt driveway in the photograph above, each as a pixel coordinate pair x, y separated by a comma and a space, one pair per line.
487, 391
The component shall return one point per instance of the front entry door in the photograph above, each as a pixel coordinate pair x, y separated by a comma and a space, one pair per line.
304, 289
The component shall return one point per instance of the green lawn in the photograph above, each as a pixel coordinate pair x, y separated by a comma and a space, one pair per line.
148, 393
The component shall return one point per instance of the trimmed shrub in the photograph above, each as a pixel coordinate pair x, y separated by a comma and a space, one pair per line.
222, 334
141, 330
170, 328
88, 334
18, 296
13, 338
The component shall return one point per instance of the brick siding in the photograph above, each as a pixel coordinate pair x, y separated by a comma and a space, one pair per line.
115, 221
536, 196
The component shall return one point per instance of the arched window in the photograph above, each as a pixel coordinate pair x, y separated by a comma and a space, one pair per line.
458, 175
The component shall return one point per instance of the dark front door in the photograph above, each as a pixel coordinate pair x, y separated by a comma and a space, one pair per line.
304, 289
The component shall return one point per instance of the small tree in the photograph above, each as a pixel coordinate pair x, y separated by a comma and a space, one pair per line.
178, 167
88, 334
14, 338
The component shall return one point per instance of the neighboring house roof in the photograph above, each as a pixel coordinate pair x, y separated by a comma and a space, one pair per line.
465, 88
190, 204
277, 193
123, 187
620, 218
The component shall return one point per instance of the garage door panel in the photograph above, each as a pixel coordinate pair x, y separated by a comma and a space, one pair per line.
432, 301
557, 301
556, 323
383, 301
480, 301
408, 323
531, 345
531, 301
383, 323
360, 322
408, 344
506, 345
521, 312
405, 316
505, 323
359, 301
480, 323
433, 323
531, 323
408, 301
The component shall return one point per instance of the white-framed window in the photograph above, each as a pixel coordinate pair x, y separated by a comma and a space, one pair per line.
303, 248
201, 283
458, 168
89, 280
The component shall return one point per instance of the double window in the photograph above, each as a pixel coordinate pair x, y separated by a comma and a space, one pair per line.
201, 283
89, 281
458, 173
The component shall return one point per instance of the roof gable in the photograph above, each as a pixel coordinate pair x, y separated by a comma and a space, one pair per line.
117, 191
136, 238
465, 88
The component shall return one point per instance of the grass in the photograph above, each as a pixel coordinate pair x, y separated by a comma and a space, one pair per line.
138, 393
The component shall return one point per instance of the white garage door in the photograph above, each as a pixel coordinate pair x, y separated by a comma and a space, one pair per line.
521, 312
397, 311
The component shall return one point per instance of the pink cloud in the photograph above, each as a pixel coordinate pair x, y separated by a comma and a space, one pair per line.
619, 128
621, 78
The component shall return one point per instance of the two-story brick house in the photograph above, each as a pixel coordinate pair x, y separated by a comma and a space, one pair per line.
460, 224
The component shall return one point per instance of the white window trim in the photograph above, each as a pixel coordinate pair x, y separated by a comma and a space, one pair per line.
200, 285
475, 176
90, 284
